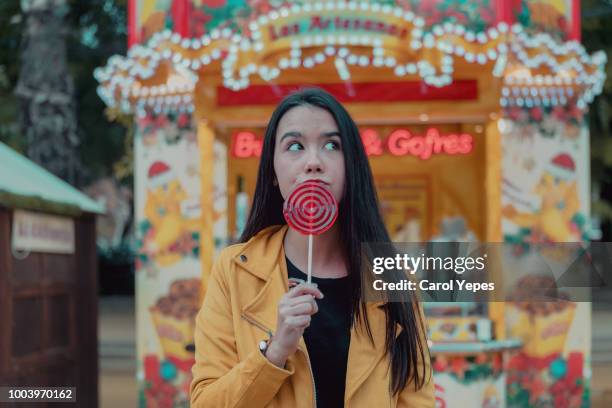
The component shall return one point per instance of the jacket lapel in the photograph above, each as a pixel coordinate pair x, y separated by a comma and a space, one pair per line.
264, 257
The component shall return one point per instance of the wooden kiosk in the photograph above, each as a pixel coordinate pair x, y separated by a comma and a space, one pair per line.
48, 282
434, 101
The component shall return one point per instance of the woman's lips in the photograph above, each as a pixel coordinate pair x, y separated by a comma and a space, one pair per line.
318, 180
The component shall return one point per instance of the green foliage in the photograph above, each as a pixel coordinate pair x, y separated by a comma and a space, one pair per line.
96, 29
10, 39
226, 14
596, 35
522, 15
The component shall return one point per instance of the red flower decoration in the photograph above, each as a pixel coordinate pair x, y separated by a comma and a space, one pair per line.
183, 120
213, 3
458, 366
161, 121
481, 358
536, 388
536, 114
198, 22
440, 364
558, 112
497, 363
576, 113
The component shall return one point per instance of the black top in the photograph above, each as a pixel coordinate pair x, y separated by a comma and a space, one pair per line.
328, 337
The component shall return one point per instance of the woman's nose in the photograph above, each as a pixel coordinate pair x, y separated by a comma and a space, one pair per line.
313, 164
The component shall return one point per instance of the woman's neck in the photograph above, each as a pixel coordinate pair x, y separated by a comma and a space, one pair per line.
328, 259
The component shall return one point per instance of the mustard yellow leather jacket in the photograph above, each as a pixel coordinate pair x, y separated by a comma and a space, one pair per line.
239, 309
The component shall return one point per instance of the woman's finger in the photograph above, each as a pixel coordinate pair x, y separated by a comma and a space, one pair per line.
304, 289
303, 304
302, 308
300, 299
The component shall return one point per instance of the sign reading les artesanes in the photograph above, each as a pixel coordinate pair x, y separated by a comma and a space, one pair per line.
317, 23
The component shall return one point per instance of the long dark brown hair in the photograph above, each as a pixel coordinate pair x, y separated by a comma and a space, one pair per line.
359, 221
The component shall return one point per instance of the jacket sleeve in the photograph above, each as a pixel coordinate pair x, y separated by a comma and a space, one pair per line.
219, 378
424, 397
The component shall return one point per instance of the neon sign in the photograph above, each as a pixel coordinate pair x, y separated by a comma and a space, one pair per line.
245, 145
400, 142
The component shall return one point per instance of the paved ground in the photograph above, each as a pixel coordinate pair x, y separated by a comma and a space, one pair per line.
117, 348
601, 384
117, 333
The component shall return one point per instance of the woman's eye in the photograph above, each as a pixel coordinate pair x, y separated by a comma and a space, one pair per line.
294, 147
332, 145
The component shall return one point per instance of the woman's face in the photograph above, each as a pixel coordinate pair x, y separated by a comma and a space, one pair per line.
308, 147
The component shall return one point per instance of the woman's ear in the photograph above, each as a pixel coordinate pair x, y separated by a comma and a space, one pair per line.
275, 182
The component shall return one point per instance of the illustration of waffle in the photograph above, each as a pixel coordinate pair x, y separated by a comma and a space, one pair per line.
174, 318
540, 316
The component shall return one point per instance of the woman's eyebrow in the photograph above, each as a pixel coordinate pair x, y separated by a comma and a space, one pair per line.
331, 134
295, 133
292, 133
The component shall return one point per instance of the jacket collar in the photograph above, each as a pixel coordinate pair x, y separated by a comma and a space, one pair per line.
264, 257
263, 252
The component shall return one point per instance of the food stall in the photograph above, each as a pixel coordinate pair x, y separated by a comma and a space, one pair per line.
464, 109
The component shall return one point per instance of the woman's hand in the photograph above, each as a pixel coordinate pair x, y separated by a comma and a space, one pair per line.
295, 309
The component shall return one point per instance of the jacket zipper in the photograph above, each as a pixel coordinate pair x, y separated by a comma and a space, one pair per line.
257, 324
314, 387
269, 333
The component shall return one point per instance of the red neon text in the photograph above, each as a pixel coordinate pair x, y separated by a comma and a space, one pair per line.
401, 142
371, 142
246, 144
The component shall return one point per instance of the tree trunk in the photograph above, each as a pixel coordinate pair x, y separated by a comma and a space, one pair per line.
47, 112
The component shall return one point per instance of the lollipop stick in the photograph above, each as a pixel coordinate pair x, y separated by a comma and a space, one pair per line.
309, 257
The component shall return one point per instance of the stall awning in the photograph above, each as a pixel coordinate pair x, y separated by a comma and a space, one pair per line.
24, 184
535, 69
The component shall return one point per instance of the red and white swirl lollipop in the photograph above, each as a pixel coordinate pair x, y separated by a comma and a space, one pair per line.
310, 209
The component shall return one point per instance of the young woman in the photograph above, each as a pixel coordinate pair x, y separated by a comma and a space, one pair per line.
260, 340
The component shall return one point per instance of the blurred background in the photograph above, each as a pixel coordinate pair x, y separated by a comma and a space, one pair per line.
125, 133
